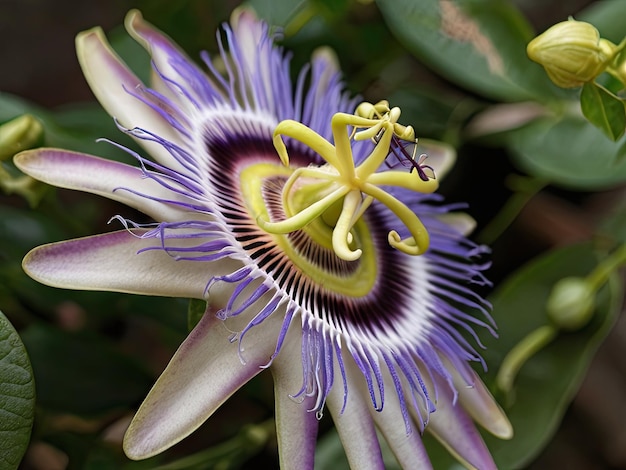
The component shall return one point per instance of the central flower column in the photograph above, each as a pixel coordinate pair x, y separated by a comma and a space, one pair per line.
338, 193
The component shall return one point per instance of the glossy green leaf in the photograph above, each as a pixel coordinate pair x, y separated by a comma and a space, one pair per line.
479, 45
569, 152
603, 109
556, 372
82, 373
17, 396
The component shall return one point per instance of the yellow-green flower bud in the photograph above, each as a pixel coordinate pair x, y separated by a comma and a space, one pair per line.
19, 134
572, 53
571, 303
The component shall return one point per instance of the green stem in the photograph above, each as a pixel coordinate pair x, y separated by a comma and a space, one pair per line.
525, 188
521, 353
300, 19
602, 272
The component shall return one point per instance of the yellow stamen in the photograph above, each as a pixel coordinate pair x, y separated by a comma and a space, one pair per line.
341, 233
309, 193
419, 240
302, 218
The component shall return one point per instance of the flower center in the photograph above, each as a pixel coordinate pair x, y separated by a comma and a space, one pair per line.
329, 201
310, 248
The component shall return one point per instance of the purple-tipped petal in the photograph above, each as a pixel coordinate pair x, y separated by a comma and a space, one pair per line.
117, 181
170, 62
354, 423
296, 424
203, 373
455, 430
113, 84
111, 262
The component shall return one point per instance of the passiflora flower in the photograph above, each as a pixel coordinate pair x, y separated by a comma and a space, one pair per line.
312, 231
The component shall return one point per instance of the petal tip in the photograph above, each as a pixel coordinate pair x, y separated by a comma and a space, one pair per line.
502, 428
327, 56
134, 24
135, 444
242, 14
88, 38
23, 159
132, 17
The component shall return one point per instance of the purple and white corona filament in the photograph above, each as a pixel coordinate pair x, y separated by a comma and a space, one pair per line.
277, 203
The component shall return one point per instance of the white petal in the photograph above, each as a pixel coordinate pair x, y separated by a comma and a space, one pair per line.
106, 178
254, 52
463, 223
504, 117
355, 425
110, 262
249, 33
168, 59
455, 430
482, 407
407, 447
112, 83
203, 373
296, 426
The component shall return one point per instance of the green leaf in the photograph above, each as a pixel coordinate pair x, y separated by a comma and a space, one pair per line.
17, 396
477, 44
603, 109
555, 373
568, 152
82, 373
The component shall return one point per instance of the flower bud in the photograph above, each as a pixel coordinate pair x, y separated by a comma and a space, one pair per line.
571, 303
572, 53
19, 134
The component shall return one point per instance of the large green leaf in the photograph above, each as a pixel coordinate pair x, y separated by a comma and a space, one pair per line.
548, 382
569, 152
478, 44
17, 396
